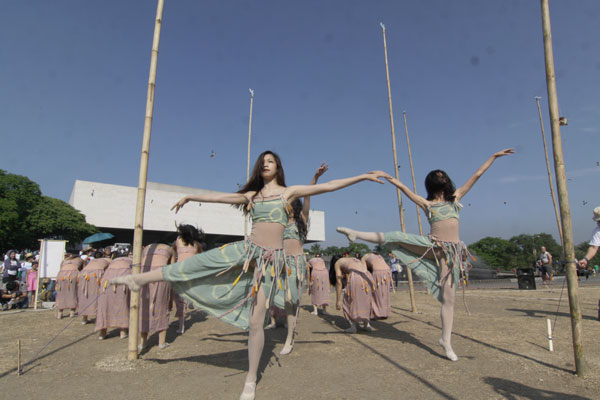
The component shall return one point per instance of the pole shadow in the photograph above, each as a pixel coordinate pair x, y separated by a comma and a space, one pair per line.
533, 313
514, 391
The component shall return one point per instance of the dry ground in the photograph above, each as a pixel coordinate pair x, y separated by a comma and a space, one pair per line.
502, 349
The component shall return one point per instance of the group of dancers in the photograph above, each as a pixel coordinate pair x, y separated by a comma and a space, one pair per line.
240, 281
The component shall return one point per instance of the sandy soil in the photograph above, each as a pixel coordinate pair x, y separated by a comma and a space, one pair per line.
502, 349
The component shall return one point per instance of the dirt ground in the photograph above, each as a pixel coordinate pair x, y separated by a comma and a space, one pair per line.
502, 351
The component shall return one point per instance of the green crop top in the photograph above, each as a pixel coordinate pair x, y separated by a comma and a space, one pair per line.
272, 210
442, 211
291, 232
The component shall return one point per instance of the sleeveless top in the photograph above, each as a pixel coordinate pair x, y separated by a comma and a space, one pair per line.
318, 264
442, 211
270, 210
291, 232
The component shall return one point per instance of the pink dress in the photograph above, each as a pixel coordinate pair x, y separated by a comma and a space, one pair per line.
32, 280
154, 298
319, 282
66, 284
113, 304
382, 276
358, 294
88, 286
183, 253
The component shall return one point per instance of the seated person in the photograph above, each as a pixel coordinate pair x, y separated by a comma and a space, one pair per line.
12, 295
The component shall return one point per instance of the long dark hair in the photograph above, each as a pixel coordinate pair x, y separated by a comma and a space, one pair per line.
332, 277
189, 234
299, 219
438, 181
256, 181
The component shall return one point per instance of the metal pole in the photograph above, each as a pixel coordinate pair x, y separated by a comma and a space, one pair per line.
141, 194
412, 172
248, 159
537, 100
563, 196
411, 289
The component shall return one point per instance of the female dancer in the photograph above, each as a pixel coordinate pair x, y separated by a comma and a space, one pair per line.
187, 244
213, 281
442, 247
88, 286
358, 293
66, 285
318, 283
382, 275
293, 240
113, 306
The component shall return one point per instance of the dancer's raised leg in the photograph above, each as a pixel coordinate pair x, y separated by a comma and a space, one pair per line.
256, 343
291, 325
447, 312
135, 281
373, 237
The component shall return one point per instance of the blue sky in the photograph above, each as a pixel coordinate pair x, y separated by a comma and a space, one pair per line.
74, 79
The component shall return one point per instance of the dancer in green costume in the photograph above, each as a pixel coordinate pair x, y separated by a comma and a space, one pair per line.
220, 281
437, 258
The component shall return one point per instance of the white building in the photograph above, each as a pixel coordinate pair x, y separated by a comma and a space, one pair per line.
112, 209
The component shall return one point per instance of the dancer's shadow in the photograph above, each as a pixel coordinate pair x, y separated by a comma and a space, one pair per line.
545, 314
388, 330
514, 390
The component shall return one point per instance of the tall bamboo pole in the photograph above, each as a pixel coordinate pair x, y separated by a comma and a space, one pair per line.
248, 159
141, 194
560, 232
563, 195
413, 304
412, 172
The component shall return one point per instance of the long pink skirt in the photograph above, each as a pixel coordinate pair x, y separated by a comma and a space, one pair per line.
381, 294
66, 289
154, 307
319, 287
88, 289
113, 304
358, 297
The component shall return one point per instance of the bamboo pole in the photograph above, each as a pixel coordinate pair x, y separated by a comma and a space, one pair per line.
248, 159
411, 290
560, 231
563, 196
412, 172
18, 357
141, 194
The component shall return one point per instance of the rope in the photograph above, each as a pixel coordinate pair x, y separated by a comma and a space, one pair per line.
559, 301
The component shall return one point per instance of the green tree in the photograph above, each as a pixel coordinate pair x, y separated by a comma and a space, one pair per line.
530, 245
496, 252
315, 249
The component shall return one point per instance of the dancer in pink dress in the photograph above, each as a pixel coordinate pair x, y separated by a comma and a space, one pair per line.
318, 283
88, 286
382, 275
187, 244
66, 285
358, 293
154, 298
113, 304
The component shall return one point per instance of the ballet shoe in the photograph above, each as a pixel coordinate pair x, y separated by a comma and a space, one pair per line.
249, 391
314, 313
348, 232
367, 328
123, 336
352, 329
449, 352
163, 346
287, 349
125, 280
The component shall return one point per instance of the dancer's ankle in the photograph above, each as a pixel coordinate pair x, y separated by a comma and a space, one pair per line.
350, 234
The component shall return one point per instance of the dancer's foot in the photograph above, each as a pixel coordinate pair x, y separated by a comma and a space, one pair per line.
59, 315
249, 391
163, 346
72, 314
101, 337
123, 336
180, 331
125, 280
350, 234
352, 329
449, 352
314, 313
367, 327
287, 349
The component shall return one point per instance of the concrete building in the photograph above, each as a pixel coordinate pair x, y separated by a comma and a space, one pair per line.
112, 209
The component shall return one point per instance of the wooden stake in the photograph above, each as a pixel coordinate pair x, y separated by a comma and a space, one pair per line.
18, 357
563, 196
248, 159
411, 289
141, 195
412, 172
537, 100
550, 345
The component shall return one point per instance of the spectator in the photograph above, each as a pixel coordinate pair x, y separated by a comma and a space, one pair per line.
395, 266
25, 266
12, 294
545, 261
31, 281
594, 242
11, 266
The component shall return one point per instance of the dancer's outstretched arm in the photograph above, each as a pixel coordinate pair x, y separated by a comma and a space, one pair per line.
462, 191
227, 198
418, 200
306, 206
293, 192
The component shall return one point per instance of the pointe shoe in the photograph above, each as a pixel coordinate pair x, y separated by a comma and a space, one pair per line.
287, 349
449, 352
348, 232
249, 391
314, 313
368, 328
125, 280
163, 346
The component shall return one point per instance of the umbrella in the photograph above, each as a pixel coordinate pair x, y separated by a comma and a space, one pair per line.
98, 237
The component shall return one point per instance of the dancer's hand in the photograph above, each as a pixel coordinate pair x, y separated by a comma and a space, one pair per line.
504, 152
375, 175
321, 170
338, 306
177, 206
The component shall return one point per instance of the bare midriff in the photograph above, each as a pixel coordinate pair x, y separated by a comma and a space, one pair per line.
267, 234
446, 230
293, 247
